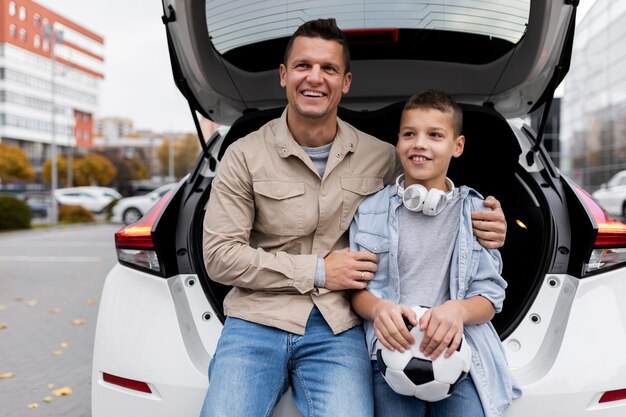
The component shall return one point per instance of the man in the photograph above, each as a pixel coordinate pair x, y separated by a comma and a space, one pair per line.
275, 230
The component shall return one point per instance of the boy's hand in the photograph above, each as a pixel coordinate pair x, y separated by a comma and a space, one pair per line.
349, 270
443, 328
490, 226
389, 325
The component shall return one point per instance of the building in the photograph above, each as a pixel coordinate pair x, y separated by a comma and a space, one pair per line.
50, 72
551, 133
593, 109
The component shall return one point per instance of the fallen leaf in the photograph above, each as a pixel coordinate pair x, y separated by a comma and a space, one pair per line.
32, 303
18, 298
64, 345
54, 310
50, 386
33, 405
57, 352
78, 322
90, 302
3, 325
62, 392
48, 400
7, 375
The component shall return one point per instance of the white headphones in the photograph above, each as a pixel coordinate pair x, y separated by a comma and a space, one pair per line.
417, 198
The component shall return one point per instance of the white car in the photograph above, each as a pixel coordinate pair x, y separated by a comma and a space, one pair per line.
130, 209
92, 198
612, 195
563, 325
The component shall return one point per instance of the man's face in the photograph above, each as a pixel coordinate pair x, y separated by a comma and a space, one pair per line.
426, 144
314, 77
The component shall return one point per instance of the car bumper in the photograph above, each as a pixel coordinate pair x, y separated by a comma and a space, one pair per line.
571, 371
146, 332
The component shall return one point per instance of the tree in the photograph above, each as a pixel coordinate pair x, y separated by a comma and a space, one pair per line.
14, 165
185, 154
61, 170
93, 169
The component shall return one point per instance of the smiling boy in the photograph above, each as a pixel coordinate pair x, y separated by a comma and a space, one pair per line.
420, 229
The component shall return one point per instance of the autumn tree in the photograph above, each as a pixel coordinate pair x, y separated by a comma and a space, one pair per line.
185, 154
93, 169
61, 170
14, 165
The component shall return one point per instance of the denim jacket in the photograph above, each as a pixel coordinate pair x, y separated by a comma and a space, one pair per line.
474, 270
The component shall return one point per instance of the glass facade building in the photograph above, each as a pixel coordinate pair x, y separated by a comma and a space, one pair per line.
593, 108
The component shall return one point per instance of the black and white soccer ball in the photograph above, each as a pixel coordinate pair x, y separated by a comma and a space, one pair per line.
411, 373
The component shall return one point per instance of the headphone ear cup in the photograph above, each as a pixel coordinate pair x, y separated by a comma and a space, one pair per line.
413, 197
435, 202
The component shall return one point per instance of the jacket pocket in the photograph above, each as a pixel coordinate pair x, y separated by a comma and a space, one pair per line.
279, 207
354, 190
379, 245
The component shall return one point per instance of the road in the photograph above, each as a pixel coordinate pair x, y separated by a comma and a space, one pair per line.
50, 284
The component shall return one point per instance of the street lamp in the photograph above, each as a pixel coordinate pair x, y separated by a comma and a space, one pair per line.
53, 38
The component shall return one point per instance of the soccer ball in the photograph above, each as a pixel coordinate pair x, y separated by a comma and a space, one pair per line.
411, 373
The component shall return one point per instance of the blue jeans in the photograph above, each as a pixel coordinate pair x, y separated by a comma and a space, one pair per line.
330, 375
464, 401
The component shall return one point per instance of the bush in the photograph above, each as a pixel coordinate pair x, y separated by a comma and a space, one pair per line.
75, 214
14, 214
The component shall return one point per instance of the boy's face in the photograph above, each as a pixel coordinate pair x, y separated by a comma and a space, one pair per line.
426, 144
314, 77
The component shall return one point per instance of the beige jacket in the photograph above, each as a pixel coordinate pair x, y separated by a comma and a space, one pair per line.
270, 217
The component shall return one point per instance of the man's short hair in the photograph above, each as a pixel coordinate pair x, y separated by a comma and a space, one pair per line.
438, 100
321, 28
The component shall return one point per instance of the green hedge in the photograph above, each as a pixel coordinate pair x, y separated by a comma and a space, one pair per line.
14, 214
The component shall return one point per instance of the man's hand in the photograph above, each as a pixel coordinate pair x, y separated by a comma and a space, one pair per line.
490, 226
349, 270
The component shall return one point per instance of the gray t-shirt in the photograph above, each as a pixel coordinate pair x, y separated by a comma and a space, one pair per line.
425, 248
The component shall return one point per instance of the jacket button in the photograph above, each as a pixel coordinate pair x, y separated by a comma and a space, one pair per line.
338, 155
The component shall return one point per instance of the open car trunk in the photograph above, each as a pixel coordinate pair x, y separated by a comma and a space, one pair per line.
489, 164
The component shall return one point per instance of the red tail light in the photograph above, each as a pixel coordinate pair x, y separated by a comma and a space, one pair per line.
134, 242
609, 248
616, 395
126, 383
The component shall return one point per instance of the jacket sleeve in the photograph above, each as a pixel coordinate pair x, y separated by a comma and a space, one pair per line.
486, 280
228, 257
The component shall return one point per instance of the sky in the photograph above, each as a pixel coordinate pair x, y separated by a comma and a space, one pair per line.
138, 80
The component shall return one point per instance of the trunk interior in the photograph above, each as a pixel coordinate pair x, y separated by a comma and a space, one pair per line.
489, 164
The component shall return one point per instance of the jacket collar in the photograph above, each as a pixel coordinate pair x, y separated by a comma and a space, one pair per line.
346, 140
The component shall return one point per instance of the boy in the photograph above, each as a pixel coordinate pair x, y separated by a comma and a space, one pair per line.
425, 260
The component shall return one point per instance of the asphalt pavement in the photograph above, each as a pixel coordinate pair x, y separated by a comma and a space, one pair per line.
50, 283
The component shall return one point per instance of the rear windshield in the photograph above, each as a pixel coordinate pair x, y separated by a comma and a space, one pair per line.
253, 34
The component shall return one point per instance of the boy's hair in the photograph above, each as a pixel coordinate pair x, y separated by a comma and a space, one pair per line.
321, 28
438, 100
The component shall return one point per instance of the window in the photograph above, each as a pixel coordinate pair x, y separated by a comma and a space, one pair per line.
37, 19
37, 41
12, 30
12, 8
22, 13
23, 35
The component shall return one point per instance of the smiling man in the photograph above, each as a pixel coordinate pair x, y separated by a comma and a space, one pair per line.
275, 230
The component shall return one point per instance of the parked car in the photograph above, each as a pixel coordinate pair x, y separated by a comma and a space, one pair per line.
564, 320
130, 209
38, 202
612, 195
92, 198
